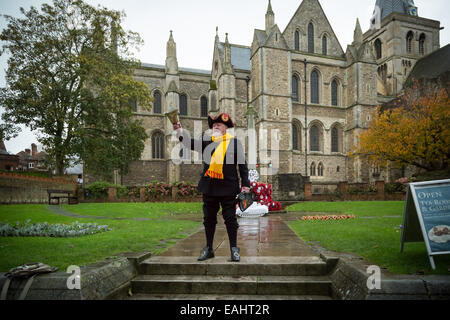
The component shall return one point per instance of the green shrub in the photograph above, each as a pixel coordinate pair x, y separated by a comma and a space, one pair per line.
186, 189
122, 191
394, 187
156, 190
99, 190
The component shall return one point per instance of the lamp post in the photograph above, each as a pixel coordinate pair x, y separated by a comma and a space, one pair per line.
306, 125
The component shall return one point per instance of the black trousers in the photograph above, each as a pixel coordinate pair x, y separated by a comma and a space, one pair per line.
211, 206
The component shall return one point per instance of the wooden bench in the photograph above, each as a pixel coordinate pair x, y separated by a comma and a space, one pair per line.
61, 194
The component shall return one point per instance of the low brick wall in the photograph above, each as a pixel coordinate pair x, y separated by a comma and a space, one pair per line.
342, 193
17, 189
359, 197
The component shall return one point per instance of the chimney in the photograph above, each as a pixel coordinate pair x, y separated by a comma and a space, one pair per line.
28, 151
33, 149
2, 145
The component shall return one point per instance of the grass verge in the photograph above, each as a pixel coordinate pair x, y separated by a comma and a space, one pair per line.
374, 235
154, 236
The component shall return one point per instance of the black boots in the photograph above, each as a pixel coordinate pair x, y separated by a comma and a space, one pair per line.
235, 256
207, 253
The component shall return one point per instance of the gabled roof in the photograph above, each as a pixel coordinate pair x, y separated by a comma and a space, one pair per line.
303, 12
432, 66
240, 56
261, 36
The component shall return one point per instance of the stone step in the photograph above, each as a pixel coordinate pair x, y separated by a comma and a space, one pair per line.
236, 285
252, 266
193, 297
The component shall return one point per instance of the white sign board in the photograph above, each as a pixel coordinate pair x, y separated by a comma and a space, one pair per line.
427, 217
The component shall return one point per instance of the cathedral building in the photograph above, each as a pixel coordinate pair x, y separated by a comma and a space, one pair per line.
298, 85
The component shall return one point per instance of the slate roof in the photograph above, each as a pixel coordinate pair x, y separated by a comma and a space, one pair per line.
389, 6
159, 66
261, 36
240, 56
432, 66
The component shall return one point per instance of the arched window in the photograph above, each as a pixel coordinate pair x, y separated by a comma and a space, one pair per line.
297, 41
294, 88
320, 169
334, 140
204, 107
157, 102
324, 45
314, 138
409, 39
422, 44
183, 105
296, 137
334, 93
314, 87
158, 145
310, 37
378, 49
312, 171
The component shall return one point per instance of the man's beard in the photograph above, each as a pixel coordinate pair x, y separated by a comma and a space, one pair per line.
217, 133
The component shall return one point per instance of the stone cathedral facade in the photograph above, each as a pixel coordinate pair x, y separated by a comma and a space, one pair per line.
270, 82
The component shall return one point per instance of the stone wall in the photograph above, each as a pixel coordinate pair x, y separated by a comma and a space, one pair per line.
288, 187
191, 172
144, 172
310, 11
15, 189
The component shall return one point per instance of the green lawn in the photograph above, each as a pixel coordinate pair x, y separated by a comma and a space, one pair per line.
167, 224
375, 235
150, 210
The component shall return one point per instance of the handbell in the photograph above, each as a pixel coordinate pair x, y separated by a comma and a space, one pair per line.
173, 116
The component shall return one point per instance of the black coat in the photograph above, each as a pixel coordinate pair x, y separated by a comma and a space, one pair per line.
234, 158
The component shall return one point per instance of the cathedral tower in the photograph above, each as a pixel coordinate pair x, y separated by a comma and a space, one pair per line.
271, 96
399, 37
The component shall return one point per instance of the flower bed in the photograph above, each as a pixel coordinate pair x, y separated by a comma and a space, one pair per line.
28, 229
329, 217
179, 190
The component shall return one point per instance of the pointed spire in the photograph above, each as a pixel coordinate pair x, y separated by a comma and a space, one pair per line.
358, 34
227, 55
217, 35
171, 47
270, 18
269, 8
171, 56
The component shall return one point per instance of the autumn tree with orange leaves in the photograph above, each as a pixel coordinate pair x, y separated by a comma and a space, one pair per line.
414, 131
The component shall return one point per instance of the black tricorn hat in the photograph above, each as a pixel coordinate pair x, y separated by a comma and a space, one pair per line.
222, 118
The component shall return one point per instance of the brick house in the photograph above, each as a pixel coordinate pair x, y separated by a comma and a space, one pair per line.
8, 162
31, 160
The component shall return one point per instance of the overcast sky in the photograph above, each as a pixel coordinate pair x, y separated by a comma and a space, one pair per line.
194, 27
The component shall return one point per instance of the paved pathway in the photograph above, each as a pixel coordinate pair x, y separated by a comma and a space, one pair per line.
257, 237
267, 236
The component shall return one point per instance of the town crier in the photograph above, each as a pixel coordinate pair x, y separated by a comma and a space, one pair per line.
223, 155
